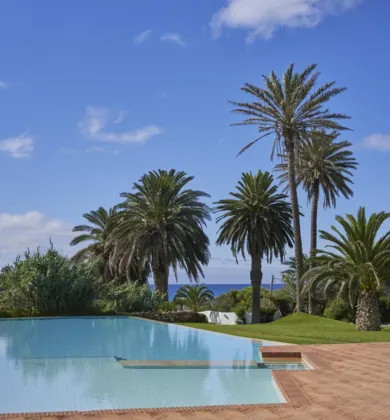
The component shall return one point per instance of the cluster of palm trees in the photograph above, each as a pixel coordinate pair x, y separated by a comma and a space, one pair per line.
159, 226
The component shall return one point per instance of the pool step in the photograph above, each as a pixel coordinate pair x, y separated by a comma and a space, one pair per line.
205, 364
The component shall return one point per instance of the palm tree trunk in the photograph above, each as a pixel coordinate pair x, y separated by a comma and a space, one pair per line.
296, 221
313, 232
256, 278
160, 276
367, 312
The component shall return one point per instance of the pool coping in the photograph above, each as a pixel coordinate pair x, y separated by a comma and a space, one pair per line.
293, 394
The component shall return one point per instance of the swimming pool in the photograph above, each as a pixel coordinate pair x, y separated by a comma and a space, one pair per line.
98, 363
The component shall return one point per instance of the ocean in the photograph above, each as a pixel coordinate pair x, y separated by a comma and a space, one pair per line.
219, 289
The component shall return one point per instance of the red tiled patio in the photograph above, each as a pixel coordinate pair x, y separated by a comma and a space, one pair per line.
350, 381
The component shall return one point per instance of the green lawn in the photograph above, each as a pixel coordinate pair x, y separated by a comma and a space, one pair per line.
301, 329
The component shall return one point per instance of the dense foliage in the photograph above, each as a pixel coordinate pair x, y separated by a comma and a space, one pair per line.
46, 284
129, 297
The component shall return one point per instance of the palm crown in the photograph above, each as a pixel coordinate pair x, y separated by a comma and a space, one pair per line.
257, 220
98, 233
162, 223
194, 297
324, 162
290, 109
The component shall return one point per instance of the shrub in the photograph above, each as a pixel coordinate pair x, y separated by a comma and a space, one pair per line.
267, 313
226, 302
168, 307
283, 301
340, 310
130, 297
46, 284
173, 316
240, 310
384, 309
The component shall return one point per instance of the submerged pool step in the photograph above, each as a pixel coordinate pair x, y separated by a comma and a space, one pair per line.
188, 364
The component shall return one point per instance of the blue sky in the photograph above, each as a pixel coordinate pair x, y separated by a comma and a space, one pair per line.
95, 93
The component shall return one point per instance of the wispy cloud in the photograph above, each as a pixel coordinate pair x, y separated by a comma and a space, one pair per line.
96, 120
3, 85
376, 142
261, 18
142, 37
120, 117
18, 147
173, 38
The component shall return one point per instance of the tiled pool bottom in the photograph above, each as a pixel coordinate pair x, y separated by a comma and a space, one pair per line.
73, 364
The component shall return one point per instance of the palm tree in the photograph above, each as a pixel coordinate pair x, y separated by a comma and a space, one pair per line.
289, 111
358, 262
98, 234
256, 221
323, 164
194, 297
100, 250
162, 223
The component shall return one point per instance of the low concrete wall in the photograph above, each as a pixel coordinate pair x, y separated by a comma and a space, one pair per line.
222, 318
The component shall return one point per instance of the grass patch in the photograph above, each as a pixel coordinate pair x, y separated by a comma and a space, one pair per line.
301, 329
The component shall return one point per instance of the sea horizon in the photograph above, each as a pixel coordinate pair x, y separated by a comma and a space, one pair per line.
218, 288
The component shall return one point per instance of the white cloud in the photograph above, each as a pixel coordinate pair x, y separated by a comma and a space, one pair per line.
120, 117
142, 37
29, 230
174, 38
377, 142
97, 118
263, 17
18, 147
3, 85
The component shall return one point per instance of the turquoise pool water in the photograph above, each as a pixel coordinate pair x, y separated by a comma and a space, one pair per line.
74, 364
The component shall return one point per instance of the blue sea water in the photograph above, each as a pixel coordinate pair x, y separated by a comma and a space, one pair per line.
219, 289
74, 364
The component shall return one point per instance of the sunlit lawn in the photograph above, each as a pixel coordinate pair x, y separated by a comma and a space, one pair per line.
301, 329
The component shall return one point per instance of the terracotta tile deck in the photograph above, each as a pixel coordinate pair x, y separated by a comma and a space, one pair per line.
349, 381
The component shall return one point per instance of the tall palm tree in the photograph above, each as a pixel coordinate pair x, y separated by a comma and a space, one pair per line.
323, 164
256, 221
289, 110
98, 234
359, 262
194, 297
162, 223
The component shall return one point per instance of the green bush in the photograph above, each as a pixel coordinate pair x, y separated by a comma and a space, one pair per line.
46, 284
226, 302
283, 301
130, 297
340, 310
240, 310
384, 308
185, 317
168, 307
267, 313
